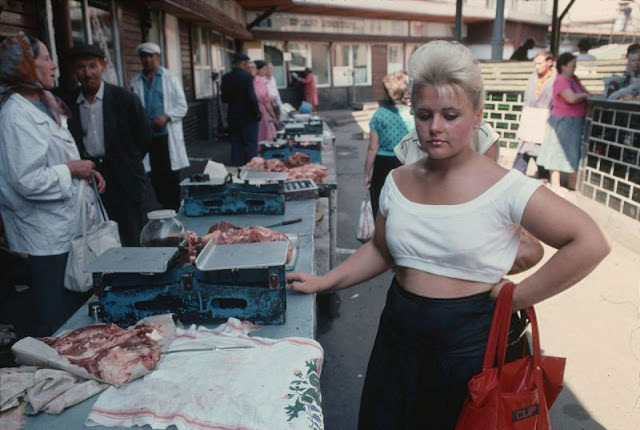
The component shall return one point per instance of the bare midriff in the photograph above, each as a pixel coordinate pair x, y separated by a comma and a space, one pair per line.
437, 287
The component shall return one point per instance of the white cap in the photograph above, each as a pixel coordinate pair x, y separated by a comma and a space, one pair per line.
148, 48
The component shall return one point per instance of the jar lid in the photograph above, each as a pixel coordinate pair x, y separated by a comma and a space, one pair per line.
161, 214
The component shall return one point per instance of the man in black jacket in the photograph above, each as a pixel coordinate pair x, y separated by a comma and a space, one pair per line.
110, 128
243, 114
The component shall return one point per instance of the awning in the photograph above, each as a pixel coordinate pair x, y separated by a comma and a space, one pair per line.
200, 13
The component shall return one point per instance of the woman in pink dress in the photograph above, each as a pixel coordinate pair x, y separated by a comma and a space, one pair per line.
268, 122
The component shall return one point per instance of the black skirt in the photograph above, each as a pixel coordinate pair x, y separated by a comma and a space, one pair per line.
425, 352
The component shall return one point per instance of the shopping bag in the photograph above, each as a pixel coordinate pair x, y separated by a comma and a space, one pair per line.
90, 243
515, 395
366, 224
533, 124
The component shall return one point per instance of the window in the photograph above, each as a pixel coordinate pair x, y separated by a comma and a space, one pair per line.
409, 49
299, 56
209, 55
219, 59
201, 62
320, 63
395, 57
312, 55
274, 54
93, 21
352, 64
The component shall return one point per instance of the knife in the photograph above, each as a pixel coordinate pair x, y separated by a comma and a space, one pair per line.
213, 348
285, 222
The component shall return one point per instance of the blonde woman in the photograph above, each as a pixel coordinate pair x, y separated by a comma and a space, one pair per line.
449, 226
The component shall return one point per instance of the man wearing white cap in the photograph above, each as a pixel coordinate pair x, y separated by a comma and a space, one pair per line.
164, 101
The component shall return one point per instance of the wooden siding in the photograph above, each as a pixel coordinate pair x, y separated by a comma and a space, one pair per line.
18, 16
130, 36
378, 71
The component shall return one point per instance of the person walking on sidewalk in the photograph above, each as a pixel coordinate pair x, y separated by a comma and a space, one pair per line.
164, 101
449, 227
388, 125
243, 113
538, 94
562, 147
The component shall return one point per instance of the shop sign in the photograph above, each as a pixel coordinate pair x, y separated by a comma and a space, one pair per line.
332, 24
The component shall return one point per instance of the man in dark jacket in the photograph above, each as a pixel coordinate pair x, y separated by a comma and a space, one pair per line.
243, 113
110, 128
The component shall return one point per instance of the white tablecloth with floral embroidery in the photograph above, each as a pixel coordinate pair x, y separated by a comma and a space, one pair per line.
269, 384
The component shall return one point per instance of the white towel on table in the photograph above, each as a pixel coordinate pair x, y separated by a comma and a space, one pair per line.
272, 385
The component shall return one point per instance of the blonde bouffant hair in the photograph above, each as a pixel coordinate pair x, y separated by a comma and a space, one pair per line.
448, 66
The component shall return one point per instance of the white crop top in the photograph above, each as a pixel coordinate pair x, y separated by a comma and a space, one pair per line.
476, 240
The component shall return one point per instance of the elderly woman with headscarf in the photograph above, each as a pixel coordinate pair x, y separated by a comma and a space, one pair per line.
40, 171
388, 125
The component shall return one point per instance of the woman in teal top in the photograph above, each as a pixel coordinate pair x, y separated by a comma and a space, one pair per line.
389, 124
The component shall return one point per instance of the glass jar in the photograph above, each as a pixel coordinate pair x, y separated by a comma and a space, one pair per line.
162, 229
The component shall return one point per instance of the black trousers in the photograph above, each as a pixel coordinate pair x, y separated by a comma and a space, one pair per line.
120, 205
51, 303
244, 142
166, 182
382, 165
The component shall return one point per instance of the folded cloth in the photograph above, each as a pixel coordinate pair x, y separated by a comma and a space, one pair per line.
13, 419
45, 390
55, 390
263, 384
14, 382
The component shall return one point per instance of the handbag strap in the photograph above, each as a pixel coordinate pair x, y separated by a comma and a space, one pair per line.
502, 311
103, 211
83, 204
499, 333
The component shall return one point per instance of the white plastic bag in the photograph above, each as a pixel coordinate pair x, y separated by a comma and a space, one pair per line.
89, 242
366, 224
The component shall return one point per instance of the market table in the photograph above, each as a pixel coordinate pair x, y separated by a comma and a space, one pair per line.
300, 313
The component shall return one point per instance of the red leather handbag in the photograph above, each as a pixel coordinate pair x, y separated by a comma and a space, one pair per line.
515, 395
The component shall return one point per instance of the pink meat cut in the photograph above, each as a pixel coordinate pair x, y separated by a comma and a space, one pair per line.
225, 233
109, 352
297, 167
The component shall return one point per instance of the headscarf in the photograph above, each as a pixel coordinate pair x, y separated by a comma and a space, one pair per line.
18, 72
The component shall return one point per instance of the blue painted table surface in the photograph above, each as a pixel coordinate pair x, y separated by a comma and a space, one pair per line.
301, 308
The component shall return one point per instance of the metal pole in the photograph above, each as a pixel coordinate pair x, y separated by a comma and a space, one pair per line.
554, 29
497, 40
458, 29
